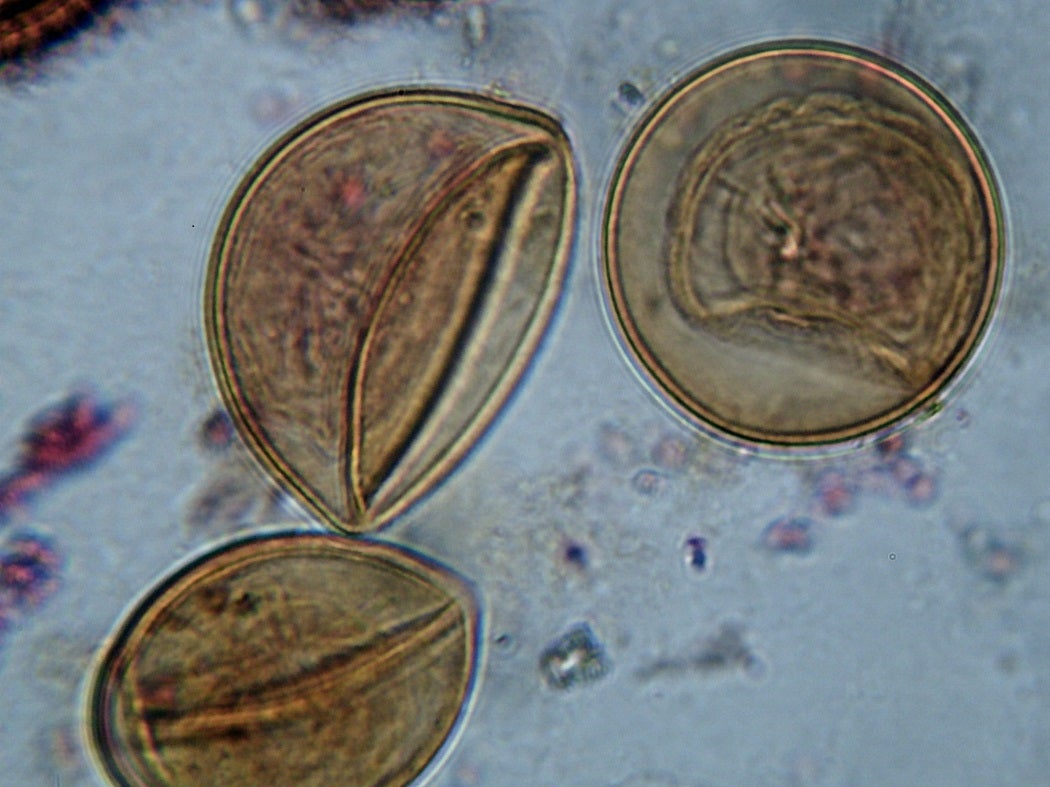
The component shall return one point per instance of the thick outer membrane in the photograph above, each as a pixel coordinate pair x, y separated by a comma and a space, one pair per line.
300, 659
377, 287
802, 245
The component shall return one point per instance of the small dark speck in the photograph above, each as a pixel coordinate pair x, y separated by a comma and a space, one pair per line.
505, 644
246, 604
696, 553
629, 94
576, 554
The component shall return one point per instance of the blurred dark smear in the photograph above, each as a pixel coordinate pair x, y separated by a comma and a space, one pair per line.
350, 11
724, 651
30, 29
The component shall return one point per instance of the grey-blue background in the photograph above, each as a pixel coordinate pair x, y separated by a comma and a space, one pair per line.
888, 655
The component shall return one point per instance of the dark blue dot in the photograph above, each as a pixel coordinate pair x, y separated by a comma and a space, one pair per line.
696, 552
576, 554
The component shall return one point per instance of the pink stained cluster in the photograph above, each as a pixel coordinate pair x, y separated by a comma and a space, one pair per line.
891, 470
66, 437
29, 568
788, 535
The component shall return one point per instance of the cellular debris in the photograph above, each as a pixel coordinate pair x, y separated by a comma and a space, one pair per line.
353, 11
616, 446
28, 28
217, 432
629, 95
17, 491
648, 482
576, 658
74, 434
836, 493
671, 453
232, 497
788, 535
995, 557
726, 650
29, 575
890, 470
70, 436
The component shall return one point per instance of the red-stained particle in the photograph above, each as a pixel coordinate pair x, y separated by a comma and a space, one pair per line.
670, 453
73, 434
921, 490
919, 485
891, 446
17, 491
835, 494
793, 535
28, 572
217, 431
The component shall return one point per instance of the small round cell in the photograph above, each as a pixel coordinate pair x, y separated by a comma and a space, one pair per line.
377, 287
803, 244
293, 658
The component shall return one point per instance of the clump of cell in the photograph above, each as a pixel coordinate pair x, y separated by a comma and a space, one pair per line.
790, 535
74, 433
889, 470
918, 486
576, 658
69, 436
836, 492
29, 575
